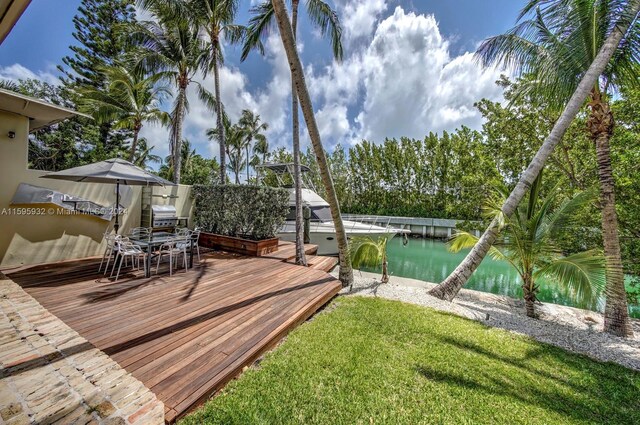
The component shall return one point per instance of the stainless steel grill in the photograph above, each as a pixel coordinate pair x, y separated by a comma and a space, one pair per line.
163, 216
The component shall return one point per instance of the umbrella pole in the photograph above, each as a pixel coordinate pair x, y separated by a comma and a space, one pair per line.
116, 226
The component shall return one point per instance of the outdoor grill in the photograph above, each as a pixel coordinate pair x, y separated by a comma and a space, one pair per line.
163, 217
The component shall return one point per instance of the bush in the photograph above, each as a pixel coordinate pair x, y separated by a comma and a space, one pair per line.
250, 212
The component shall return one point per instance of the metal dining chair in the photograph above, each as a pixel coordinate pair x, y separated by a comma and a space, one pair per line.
108, 251
173, 248
182, 232
140, 232
125, 249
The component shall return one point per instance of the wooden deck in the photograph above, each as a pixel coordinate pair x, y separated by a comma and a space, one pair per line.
184, 336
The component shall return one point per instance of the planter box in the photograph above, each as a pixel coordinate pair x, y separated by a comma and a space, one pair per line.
239, 245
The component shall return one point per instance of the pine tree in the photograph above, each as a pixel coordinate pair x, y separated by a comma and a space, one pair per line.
100, 44
100, 41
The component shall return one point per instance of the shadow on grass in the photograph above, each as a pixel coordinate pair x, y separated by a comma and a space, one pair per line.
584, 398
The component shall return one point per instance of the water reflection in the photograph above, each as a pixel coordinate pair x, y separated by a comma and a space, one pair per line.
429, 260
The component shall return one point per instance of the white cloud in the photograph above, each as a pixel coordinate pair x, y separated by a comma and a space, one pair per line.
404, 82
358, 17
18, 72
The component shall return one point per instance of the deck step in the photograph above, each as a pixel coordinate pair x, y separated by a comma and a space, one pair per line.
323, 263
319, 262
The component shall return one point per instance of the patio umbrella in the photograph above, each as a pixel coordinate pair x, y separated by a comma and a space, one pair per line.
114, 171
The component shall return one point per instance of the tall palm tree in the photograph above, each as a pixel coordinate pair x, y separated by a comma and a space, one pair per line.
216, 19
252, 128
326, 19
129, 100
526, 242
297, 75
173, 50
539, 46
456, 280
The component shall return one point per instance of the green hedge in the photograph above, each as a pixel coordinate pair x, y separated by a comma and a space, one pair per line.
250, 212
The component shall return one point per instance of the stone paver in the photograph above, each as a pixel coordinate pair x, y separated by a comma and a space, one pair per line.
49, 374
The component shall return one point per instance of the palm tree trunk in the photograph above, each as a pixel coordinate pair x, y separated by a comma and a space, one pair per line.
177, 131
134, 143
247, 149
301, 258
529, 295
600, 124
449, 288
221, 140
385, 269
297, 74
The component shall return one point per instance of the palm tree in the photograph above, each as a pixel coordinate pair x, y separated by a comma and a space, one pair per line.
326, 19
172, 49
365, 251
215, 18
261, 148
539, 47
456, 280
186, 157
297, 75
526, 242
130, 99
252, 128
144, 156
235, 146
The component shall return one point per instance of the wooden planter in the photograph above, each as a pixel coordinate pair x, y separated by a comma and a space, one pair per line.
239, 245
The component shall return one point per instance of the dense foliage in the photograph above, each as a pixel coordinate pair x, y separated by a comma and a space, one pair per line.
251, 212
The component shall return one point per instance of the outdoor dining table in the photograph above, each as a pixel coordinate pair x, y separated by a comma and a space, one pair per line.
148, 242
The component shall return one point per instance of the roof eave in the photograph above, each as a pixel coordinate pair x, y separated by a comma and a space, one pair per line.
10, 14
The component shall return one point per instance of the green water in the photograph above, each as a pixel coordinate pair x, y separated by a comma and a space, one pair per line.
429, 260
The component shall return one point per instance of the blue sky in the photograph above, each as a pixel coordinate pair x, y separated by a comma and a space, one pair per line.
407, 69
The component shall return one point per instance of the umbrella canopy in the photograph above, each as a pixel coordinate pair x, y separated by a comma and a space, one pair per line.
112, 171
115, 171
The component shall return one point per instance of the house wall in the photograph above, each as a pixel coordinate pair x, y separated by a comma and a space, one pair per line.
33, 239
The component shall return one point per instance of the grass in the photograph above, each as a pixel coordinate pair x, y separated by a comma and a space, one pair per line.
370, 361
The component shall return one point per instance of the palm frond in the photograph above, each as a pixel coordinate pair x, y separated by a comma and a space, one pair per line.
326, 19
461, 240
367, 252
583, 273
260, 25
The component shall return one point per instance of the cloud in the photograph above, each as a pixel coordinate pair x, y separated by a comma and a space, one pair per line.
358, 17
403, 82
399, 78
18, 72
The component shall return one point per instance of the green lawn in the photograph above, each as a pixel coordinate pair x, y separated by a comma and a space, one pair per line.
367, 360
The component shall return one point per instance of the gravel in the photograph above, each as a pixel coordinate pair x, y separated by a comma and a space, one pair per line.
576, 330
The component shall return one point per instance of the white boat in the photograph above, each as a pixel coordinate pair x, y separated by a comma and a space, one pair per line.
322, 231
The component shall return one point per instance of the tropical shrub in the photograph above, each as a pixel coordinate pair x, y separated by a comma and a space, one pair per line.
250, 212
527, 242
368, 252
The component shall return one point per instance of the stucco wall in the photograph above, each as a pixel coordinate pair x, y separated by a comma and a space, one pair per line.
45, 238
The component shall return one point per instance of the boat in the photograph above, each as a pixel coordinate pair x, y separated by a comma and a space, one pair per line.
322, 231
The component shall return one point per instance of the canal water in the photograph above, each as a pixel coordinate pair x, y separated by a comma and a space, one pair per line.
429, 260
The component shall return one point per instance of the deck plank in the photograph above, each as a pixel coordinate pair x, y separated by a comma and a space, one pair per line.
185, 336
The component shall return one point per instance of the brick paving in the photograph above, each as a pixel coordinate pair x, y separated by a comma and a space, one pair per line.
49, 374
